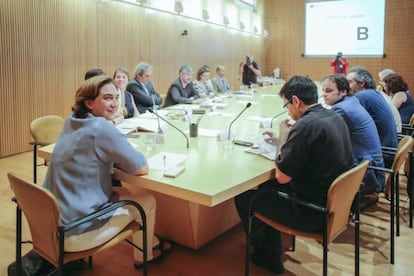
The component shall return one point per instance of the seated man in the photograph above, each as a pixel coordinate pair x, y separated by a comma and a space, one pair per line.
365, 141
182, 89
142, 89
362, 85
317, 151
220, 83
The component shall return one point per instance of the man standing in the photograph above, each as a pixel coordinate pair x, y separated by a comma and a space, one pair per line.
316, 152
220, 83
142, 90
249, 70
365, 141
339, 64
362, 85
182, 89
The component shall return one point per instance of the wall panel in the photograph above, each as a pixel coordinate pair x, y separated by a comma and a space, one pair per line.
285, 20
47, 45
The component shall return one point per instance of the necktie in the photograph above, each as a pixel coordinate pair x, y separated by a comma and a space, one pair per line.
223, 83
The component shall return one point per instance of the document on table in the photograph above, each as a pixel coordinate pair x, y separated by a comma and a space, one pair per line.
206, 132
145, 124
166, 160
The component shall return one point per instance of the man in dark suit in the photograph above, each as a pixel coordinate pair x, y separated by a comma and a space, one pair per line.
142, 90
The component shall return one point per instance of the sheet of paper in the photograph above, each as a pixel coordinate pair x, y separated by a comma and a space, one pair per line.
166, 160
218, 113
270, 155
206, 132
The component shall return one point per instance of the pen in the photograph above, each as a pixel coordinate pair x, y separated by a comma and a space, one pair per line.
164, 159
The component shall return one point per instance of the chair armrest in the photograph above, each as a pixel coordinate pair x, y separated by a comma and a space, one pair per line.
103, 211
389, 149
304, 203
381, 169
38, 144
290, 197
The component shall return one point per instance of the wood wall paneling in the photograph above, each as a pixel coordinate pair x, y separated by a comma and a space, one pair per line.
46, 47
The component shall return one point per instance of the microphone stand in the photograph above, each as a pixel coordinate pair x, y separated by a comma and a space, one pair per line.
158, 116
274, 117
247, 106
156, 112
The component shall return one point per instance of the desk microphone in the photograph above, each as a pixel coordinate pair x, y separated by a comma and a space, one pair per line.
274, 117
156, 112
247, 106
158, 116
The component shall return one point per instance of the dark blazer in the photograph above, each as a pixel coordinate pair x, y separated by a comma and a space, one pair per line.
177, 94
143, 100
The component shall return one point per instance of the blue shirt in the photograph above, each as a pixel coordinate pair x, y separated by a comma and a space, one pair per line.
377, 107
407, 109
79, 174
365, 141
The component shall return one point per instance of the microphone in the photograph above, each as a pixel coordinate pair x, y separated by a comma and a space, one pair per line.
274, 117
247, 106
155, 112
158, 116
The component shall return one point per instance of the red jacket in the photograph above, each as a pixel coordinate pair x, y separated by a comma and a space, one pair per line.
337, 70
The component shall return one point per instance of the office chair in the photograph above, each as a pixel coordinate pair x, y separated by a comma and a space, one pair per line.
43, 216
392, 187
45, 130
341, 194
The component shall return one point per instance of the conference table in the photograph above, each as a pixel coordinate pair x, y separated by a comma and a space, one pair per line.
197, 206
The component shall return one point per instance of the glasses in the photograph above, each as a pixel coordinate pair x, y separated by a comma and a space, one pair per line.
286, 104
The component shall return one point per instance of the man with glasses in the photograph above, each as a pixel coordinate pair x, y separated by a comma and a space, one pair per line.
317, 150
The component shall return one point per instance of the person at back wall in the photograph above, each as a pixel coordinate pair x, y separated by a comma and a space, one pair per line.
142, 90
339, 64
249, 70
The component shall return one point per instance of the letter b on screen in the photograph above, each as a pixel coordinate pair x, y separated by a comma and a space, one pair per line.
362, 33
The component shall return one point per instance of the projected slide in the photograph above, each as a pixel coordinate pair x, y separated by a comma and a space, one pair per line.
354, 27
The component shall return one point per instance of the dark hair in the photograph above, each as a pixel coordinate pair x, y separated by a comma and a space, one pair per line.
93, 73
302, 87
395, 83
203, 69
362, 75
89, 90
340, 81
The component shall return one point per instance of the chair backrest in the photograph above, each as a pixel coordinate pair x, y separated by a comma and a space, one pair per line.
403, 147
411, 123
42, 213
341, 194
405, 144
46, 129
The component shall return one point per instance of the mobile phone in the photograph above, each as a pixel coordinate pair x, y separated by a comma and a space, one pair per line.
243, 143
133, 135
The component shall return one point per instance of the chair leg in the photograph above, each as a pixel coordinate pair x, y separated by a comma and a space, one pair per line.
325, 250
90, 262
293, 243
397, 203
410, 188
18, 241
357, 224
247, 257
34, 163
392, 217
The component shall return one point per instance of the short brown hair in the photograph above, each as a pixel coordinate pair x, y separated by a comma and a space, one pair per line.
89, 90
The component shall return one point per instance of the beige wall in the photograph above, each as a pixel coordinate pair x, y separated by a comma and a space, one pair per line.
47, 45
285, 20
